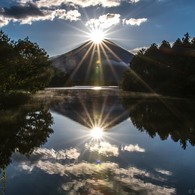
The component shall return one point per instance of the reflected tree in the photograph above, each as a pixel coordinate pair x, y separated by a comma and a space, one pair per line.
163, 117
22, 129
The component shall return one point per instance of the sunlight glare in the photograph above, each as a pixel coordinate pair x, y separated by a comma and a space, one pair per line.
97, 36
96, 133
97, 88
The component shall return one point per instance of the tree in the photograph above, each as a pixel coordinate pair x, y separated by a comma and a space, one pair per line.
177, 43
24, 65
165, 44
186, 40
163, 70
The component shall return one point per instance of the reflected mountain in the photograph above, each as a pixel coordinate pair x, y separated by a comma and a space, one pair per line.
91, 108
23, 128
163, 116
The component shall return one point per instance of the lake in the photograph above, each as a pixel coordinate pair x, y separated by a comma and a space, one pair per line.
96, 141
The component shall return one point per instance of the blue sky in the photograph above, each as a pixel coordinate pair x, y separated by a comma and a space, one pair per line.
61, 25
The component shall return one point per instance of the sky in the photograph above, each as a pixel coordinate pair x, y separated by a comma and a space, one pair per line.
59, 26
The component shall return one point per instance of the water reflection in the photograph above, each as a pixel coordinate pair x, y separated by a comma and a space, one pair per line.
99, 177
2, 181
165, 117
23, 128
96, 133
93, 108
112, 158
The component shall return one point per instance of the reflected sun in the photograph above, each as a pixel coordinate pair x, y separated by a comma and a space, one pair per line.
96, 133
97, 36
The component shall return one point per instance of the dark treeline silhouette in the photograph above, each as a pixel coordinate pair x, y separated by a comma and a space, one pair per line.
23, 127
163, 117
23, 65
165, 69
60, 79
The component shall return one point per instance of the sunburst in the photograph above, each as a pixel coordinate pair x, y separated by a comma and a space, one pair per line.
96, 133
97, 36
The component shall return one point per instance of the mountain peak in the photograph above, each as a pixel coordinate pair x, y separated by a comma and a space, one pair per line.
95, 64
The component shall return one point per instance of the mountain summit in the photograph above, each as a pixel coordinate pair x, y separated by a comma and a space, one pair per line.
94, 64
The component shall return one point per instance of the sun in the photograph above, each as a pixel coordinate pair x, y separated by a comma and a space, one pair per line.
97, 36
96, 133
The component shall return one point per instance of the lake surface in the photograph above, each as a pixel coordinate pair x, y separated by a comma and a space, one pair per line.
96, 141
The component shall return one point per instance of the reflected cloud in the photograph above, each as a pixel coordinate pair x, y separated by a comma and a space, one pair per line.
101, 178
44, 153
121, 178
103, 148
133, 148
164, 172
106, 149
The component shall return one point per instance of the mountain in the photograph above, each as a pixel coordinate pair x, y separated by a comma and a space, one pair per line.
94, 64
102, 108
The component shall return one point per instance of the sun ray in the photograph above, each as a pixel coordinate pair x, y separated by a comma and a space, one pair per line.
90, 62
96, 133
97, 35
83, 58
110, 65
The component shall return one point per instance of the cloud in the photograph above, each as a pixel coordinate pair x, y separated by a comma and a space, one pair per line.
136, 50
73, 15
104, 21
29, 13
52, 162
121, 177
103, 148
107, 20
134, 1
80, 3
134, 21
44, 153
164, 172
4, 21
18, 12
133, 148
107, 149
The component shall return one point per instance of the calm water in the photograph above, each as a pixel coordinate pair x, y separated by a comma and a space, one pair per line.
94, 141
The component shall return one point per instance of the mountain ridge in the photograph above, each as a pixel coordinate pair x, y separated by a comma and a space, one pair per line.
94, 64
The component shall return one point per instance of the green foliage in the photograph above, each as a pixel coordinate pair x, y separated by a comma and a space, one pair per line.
23, 65
23, 128
164, 69
60, 79
168, 118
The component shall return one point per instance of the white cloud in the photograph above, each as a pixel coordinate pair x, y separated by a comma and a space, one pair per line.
103, 148
51, 162
134, 1
104, 21
107, 20
134, 21
44, 153
4, 21
81, 3
136, 50
72, 15
121, 176
164, 172
133, 148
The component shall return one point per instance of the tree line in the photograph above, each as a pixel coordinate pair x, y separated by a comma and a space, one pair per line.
165, 69
24, 66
